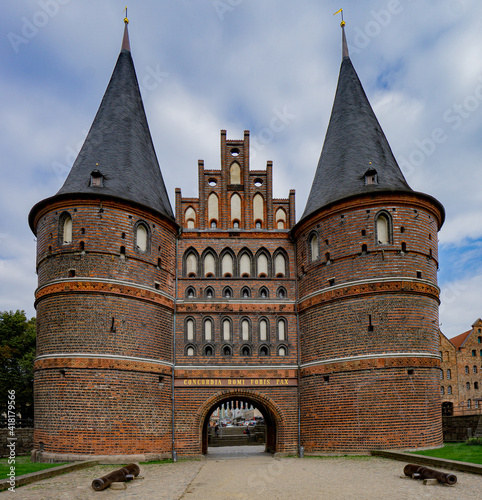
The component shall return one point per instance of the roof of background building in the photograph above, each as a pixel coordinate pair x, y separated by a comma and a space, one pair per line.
459, 340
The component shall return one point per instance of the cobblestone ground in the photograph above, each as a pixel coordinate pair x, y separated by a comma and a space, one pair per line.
247, 473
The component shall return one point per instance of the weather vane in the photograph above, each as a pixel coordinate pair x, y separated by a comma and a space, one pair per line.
337, 12
127, 20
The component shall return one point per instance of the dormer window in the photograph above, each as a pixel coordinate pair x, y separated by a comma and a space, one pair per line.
371, 177
96, 179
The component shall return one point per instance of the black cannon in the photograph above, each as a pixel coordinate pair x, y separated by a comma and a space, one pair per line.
420, 472
118, 476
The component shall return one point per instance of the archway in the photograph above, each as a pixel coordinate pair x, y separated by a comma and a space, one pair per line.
238, 399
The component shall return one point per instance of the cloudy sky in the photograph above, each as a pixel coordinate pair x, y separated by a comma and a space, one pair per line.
207, 65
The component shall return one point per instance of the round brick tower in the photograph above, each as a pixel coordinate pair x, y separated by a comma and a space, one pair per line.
368, 296
105, 300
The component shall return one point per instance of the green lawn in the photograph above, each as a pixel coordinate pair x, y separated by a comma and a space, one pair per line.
22, 466
456, 451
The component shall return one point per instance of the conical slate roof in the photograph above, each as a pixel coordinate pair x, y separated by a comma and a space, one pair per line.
354, 146
118, 148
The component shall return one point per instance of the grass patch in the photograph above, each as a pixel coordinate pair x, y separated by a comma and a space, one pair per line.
455, 451
22, 466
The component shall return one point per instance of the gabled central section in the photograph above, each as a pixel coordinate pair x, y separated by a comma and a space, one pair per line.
235, 197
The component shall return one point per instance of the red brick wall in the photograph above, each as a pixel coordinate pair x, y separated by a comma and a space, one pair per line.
373, 306
100, 310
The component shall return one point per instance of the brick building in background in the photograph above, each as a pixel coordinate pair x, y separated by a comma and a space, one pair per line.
461, 375
149, 322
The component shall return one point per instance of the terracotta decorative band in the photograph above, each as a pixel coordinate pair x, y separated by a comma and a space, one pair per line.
370, 364
103, 287
101, 363
350, 290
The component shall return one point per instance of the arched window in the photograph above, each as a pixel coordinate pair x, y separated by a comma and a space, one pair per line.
190, 330
383, 228
209, 265
280, 266
190, 218
263, 351
263, 330
262, 263
235, 173
281, 293
245, 350
208, 351
449, 374
263, 293
191, 264
235, 208
245, 293
226, 330
314, 247
65, 228
208, 330
213, 211
142, 235
209, 292
227, 351
227, 265
190, 351
449, 389
227, 292
281, 329
245, 329
282, 351
258, 208
245, 266
280, 218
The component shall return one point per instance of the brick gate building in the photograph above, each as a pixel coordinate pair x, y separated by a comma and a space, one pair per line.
149, 321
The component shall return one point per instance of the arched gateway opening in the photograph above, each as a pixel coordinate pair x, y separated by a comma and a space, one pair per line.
229, 402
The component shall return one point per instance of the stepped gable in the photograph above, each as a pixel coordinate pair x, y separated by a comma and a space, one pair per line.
355, 146
118, 149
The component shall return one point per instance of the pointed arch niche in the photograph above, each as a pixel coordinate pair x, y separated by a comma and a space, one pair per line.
235, 173
235, 210
213, 210
280, 218
190, 218
258, 210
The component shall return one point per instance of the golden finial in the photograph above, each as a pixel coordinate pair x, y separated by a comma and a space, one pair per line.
342, 22
125, 18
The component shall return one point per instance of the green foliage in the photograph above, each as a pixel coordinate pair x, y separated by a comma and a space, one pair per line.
455, 451
17, 355
474, 440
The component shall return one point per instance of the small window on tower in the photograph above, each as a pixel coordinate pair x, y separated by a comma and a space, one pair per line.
96, 179
371, 177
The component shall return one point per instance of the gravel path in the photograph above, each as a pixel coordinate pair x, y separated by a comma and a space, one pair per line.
246, 473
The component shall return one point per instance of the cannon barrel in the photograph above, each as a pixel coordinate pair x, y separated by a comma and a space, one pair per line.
420, 472
124, 474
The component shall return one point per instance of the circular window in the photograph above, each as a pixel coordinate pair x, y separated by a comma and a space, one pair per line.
213, 182
258, 182
234, 152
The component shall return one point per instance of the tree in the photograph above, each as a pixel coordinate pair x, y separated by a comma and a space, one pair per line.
17, 355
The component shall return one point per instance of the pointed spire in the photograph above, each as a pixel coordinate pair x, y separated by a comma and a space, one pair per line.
118, 147
125, 40
344, 45
356, 157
